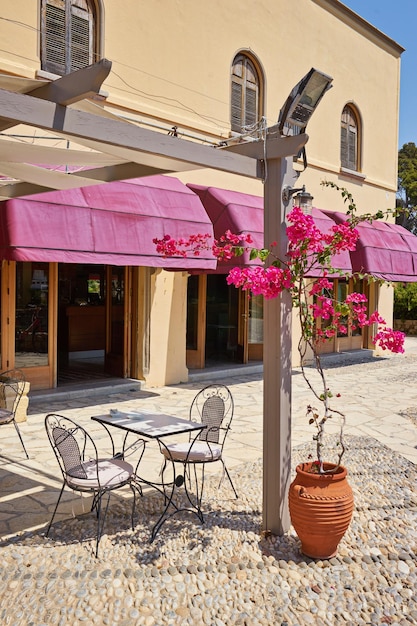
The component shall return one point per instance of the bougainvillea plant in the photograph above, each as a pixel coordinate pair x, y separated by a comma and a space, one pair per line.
321, 316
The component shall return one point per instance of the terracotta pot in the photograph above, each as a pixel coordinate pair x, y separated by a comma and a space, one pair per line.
321, 508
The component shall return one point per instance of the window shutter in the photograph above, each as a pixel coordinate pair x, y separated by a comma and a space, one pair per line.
81, 39
251, 112
236, 114
344, 151
53, 40
68, 35
349, 140
352, 149
245, 92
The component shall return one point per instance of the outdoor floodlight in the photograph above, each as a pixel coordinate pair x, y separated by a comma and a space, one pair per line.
303, 100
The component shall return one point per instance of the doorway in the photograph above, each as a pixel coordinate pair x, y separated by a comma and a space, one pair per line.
355, 337
217, 322
222, 309
91, 322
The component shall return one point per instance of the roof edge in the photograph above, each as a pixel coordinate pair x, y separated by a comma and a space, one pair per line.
341, 11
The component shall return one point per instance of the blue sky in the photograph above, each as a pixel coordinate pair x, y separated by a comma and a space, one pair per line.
398, 20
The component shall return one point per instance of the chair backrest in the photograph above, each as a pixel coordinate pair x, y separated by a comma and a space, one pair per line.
12, 386
71, 444
213, 406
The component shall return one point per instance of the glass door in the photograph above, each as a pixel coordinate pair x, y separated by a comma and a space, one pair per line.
196, 321
222, 320
353, 340
31, 326
256, 328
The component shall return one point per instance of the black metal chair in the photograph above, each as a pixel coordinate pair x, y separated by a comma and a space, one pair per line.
12, 386
83, 470
213, 407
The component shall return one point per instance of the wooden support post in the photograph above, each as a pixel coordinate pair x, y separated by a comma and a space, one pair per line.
277, 361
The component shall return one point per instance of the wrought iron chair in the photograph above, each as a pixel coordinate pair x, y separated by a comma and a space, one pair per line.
12, 385
213, 407
83, 470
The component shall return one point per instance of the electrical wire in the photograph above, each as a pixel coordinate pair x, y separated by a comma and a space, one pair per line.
154, 97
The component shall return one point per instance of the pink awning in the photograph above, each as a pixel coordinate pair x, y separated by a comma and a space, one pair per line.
112, 223
243, 213
342, 261
385, 250
240, 213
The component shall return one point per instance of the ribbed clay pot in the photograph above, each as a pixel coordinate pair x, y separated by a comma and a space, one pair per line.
321, 507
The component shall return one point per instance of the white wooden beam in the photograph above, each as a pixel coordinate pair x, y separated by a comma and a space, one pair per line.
78, 85
48, 180
277, 362
274, 147
277, 346
163, 151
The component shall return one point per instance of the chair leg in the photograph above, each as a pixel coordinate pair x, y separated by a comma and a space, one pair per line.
94, 504
135, 488
101, 517
21, 438
199, 491
55, 510
161, 473
225, 471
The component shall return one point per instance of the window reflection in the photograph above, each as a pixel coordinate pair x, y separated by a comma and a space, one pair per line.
256, 319
31, 333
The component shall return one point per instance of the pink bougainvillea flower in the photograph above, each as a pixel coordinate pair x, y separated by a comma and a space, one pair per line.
322, 317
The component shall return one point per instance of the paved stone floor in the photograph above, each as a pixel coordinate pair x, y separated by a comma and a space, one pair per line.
378, 395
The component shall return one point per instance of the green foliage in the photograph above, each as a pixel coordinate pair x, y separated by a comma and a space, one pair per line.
407, 186
354, 218
405, 301
259, 254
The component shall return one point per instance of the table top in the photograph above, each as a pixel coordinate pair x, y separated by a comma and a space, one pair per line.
148, 424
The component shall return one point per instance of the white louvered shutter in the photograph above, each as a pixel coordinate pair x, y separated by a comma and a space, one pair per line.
67, 36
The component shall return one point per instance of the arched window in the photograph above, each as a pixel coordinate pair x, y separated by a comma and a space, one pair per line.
350, 139
246, 93
68, 35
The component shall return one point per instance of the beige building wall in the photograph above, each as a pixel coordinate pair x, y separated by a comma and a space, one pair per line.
171, 66
167, 328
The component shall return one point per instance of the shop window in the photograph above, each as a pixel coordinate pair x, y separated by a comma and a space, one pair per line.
31, 330
246, 94
69, 38
353, 339
350, 139
94, 289
256, 319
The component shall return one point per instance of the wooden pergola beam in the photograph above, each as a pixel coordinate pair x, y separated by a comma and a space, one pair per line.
74, 180
79, 85
163, 151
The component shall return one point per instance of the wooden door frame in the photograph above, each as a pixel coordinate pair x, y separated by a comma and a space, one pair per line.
255, 350
127, 317
195, 359
42, 376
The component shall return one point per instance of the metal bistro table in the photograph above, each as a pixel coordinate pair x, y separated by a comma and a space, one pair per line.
156, 426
